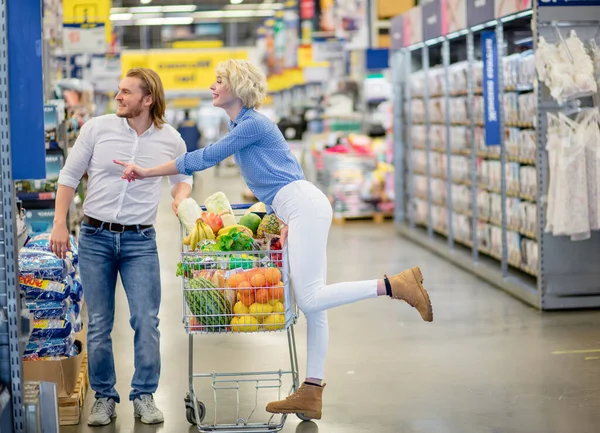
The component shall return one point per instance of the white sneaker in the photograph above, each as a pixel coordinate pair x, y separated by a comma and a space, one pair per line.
145, 408
103, 411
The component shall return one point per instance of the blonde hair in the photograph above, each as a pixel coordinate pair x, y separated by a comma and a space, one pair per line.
245, 80
152, 86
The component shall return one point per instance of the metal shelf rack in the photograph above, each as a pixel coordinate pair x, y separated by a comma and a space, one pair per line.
565, 274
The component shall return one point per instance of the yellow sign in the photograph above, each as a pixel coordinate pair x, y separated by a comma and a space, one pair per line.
197, 44
81, 11
181, 69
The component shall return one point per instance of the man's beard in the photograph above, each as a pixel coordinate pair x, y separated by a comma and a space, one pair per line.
133, 112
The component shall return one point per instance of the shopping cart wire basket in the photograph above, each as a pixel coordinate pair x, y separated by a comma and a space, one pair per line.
236, 292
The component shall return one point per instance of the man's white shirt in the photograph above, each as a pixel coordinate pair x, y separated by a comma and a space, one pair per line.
109, 198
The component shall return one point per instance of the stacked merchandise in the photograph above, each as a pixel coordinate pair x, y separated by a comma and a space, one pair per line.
355, 174
54, 297
520, 171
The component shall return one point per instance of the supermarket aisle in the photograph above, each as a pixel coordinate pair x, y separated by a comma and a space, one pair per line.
485, 364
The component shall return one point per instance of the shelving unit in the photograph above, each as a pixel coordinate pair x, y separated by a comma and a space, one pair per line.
483, 207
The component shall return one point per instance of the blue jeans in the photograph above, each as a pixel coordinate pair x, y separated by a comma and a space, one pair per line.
133, 255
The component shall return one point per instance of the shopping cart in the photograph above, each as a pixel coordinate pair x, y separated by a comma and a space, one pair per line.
227, 292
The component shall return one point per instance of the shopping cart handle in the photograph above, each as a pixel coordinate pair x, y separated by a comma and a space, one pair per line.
241, 206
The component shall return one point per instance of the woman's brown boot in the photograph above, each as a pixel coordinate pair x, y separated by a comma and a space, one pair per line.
408, 286
307, 401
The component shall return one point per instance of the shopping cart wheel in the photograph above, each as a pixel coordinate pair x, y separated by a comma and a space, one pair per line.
303, 418
190, 412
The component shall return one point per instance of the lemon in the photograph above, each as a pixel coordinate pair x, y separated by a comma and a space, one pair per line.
240, 309
275, 321
246, 324
260, 310
279, 308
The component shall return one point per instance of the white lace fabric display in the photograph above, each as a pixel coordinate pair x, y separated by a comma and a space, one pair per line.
566, 68
574, 162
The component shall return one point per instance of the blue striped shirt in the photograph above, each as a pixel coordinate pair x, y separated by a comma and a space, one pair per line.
260, 150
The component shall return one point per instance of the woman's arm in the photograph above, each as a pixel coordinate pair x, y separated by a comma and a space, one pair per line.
245, 134
133, 172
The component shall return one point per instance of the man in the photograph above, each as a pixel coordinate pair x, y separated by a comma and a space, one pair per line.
189, 132
117, 236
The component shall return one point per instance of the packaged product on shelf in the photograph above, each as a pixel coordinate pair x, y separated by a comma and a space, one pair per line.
461, 226
54, 162
484, 204
437, 164
436, 110
511, 107
42, 242
49, 348
418, 136
435, 80
513, 212
458, 77
478, 75
417, 83
479, 133
496, 240
76, 292
440, 217
512, 137
527, 108
51, 328
495, 209
478, 109
459, 110
528, 144
421, 211
513, 171
419, 158
528, 176
459, 138
420, 186
44, 265
461, 198
437, 137
460, 167
438, 190
40, 289
513, 247
484, 235
44, 309
530, 253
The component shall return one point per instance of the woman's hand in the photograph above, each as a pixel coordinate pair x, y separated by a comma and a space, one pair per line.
60, 241
283, 234
132, 171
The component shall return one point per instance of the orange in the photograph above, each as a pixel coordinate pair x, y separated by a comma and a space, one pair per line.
276, 292
262, 296
258, 280
272, 276
246, 294
236, 280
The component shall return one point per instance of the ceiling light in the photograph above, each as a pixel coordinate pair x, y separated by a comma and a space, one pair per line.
146, 10
235, 2
164, 21
179, 8
262, 6
121, 17
145, 2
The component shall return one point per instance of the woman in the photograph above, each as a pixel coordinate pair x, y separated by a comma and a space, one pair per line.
276, 178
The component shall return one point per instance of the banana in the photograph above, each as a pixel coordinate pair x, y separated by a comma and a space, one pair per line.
208, 231
195, 238
240, 227
186, 240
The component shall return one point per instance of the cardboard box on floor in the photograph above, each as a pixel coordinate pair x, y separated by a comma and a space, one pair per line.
64, 372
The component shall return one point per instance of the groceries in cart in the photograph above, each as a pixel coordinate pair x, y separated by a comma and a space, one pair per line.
233, 273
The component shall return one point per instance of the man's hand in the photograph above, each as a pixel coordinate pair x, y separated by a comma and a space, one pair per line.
283, 234
175, 205
132, 171
60, 241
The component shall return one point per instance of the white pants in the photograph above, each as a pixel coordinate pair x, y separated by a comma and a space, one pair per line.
307, 212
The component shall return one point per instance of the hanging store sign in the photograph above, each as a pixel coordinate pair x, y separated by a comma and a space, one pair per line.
431, 17
479, 12
181, 70
397, 33
89, 38
489, 47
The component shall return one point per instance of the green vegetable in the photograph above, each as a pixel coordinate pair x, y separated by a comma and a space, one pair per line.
236, 240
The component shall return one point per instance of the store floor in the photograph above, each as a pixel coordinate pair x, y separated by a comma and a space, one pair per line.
485, 365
